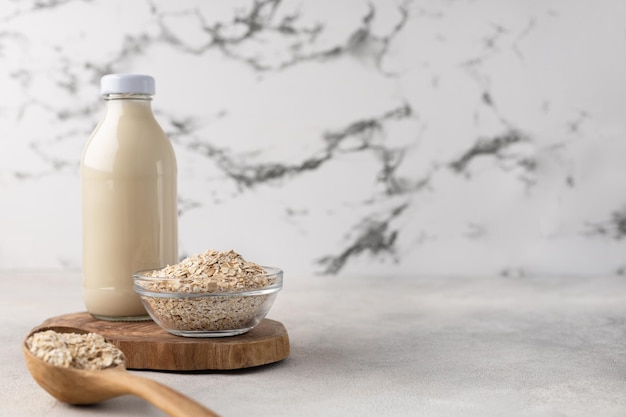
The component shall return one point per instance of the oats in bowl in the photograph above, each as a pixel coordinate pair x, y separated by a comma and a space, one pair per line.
211, 294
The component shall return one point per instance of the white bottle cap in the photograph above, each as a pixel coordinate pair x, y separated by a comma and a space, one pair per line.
127, 83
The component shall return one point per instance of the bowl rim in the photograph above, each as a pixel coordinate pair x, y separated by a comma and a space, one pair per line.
270, 271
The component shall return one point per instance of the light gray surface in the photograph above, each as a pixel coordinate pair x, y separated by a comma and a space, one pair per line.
382, 346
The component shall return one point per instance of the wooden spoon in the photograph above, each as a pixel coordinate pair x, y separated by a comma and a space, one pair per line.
78, 386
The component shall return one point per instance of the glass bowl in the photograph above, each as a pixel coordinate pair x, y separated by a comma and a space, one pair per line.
188, 312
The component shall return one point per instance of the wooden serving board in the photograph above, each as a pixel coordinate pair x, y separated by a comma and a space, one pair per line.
148, 346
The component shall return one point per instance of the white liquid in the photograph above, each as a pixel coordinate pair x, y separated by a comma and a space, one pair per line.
128, 172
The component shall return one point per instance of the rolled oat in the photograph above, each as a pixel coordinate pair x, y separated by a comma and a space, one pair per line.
211, 271
72, 350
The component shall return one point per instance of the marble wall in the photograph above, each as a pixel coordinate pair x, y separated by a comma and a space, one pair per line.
335, 137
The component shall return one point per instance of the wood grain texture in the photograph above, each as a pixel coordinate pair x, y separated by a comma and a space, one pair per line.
148, 346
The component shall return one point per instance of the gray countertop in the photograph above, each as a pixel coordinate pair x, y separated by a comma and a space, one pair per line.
381, 346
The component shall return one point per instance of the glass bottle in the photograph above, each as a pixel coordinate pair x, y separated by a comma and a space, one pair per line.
129, 199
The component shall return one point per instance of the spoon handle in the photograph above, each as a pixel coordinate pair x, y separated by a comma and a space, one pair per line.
168, 400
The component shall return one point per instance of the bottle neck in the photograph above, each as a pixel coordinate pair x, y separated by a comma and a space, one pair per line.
128, 103
127, 96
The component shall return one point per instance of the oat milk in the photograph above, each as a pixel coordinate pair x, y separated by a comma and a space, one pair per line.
128, 173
